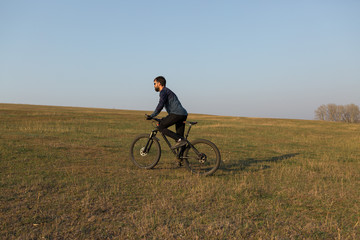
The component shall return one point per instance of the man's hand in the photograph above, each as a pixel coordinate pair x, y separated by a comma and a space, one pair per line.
148, 117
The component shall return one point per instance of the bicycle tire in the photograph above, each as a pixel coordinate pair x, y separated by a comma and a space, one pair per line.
141, 159
208, 163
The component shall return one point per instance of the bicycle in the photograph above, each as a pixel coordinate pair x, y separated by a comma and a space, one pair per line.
199, 156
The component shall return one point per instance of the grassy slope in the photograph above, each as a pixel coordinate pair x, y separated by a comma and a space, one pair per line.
65, 173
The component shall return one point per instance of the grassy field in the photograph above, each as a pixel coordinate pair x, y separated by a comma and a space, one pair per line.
65, 173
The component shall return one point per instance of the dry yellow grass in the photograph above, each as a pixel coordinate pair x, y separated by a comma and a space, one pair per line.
65, 174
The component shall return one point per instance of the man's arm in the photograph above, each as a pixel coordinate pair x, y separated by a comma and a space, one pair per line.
161, 104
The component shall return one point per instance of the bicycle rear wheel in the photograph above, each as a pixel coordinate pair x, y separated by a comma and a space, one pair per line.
145, 158
205, 161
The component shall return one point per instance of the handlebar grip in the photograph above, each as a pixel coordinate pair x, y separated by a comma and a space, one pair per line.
148, 117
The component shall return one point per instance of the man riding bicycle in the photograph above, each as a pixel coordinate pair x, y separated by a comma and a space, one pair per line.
177, 113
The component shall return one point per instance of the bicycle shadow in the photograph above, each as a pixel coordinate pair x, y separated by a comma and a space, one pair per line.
257, 165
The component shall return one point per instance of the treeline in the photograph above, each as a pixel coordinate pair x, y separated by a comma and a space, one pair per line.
338, 113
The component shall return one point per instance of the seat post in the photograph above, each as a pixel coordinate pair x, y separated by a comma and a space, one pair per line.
188, 131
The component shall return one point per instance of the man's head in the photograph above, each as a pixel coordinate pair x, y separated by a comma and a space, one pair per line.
159, 83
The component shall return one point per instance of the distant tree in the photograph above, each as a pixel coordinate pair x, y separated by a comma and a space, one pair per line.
338, 113
342, 113
353, 112
332, 112
321, 113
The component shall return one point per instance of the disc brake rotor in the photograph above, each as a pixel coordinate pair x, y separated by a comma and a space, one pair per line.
142, 152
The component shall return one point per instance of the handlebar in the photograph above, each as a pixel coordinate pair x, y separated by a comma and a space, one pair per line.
152, 118
148, 117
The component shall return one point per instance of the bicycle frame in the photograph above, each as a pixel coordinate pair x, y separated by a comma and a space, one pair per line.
200, 156
176, 152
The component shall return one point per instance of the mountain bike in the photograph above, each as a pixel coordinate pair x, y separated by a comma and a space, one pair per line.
199, 156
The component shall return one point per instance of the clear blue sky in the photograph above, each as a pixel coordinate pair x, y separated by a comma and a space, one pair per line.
278, 59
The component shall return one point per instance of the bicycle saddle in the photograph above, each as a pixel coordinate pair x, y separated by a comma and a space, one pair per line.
191, 123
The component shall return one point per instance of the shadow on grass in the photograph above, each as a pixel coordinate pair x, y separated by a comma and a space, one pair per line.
251, 163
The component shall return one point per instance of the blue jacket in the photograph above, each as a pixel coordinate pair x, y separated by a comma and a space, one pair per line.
169, 100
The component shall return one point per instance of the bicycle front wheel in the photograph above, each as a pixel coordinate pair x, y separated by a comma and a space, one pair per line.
145, 152
203, 159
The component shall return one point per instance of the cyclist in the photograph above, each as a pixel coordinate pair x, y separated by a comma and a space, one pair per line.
176, 113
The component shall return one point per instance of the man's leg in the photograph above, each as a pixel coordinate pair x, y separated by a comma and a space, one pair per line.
180, 126
168, 121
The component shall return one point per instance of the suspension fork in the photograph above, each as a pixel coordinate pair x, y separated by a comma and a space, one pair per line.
150, 141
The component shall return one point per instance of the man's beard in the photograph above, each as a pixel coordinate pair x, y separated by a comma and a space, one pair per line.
157, 89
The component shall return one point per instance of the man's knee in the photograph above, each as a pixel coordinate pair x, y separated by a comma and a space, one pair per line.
161, 127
